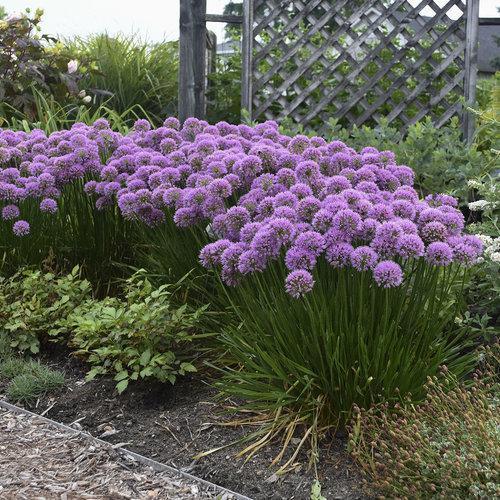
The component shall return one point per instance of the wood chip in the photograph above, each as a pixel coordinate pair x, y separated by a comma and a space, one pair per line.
40, 460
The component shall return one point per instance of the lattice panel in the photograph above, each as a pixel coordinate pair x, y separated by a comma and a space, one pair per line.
357, 60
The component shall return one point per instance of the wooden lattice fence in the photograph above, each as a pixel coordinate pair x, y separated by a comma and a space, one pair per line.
360, 61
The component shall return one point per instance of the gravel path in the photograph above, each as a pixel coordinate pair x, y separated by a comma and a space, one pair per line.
39, 460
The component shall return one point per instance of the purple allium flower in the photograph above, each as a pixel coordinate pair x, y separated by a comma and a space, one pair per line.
307, 171
301, 190
266, 243
364, 258
142, 125
381, 212
347, 221
298, 283
251, 261
298, 144
307, 208
465, 254
409, 246
299, 258
439, 254
386, 238
339, 254
48, 205
323, 220
282, 229
311, 241
336, 184
21, 228
433, 231
10, 212
404, 209
210, 255
388, 274
454, 221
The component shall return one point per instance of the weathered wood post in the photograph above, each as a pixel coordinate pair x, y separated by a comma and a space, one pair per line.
471, 36
192, 44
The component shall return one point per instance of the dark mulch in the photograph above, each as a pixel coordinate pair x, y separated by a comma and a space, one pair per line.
171, 424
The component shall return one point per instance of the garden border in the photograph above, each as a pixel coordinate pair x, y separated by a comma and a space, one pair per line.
156, 466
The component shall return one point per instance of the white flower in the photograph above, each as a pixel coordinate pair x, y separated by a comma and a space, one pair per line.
477, 206
495, 257
485, 239
87, 99
474, 184
72, 66
12, 18
82, 94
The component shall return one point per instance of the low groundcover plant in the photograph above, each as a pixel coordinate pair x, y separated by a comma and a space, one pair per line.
446, 447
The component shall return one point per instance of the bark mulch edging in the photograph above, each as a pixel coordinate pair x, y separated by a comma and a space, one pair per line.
40, 458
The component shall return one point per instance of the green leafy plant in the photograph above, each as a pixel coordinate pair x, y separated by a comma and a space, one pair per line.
139, 337
446, 447
33, 304
52, 115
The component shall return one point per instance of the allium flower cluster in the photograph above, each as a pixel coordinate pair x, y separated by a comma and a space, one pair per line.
262, 195
36, 167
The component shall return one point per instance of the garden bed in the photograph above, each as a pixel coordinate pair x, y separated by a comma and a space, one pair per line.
172, 424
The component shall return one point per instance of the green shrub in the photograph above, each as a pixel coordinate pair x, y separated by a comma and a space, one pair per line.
447, 447
33, 304
5, 349
139, 337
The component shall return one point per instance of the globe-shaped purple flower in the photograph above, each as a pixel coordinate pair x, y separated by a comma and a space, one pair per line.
48, 206
298, 283
388, 274
21, 228
10, 212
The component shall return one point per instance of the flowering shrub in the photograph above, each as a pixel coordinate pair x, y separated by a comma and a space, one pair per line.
447, 447
29, 64
485, 287
332, 259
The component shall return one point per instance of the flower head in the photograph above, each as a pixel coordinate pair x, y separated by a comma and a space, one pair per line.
298, 283
388, 274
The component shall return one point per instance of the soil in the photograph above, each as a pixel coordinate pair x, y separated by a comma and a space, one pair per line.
171, 424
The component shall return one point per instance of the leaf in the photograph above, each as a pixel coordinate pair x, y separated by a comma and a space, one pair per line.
188, 367
121, 375
121, 386
146, 372
145, 357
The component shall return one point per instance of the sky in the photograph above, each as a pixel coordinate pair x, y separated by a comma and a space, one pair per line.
154, 20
